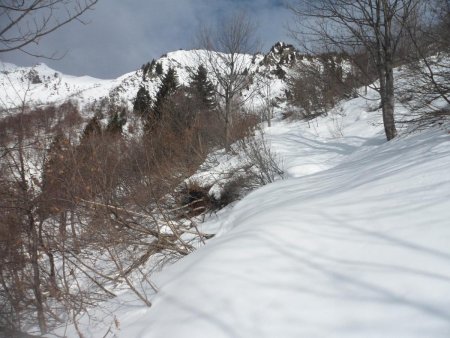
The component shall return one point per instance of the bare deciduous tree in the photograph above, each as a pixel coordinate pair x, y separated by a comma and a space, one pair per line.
429, 48
375, 27
226, 56
268, 100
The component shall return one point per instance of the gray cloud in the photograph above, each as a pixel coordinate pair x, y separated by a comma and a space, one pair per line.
122, 35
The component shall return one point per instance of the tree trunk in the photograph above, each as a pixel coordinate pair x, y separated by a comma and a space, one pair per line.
62, 225
227, 124
34, 257
388, 65
388, 103
76, 245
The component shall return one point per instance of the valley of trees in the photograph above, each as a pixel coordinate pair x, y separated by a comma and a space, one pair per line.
86, 203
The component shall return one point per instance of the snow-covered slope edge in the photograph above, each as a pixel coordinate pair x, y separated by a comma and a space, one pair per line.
360, 250
355, 243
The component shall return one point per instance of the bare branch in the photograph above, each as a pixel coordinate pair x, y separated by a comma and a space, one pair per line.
25, 23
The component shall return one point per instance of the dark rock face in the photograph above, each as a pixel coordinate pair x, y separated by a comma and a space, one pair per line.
281, 54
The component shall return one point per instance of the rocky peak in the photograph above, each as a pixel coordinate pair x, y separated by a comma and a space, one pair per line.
280, 54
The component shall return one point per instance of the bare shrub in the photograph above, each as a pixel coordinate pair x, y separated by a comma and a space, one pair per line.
233, 189
39, 122
258, 166
93, 214
243, 125
265, 163
194, 199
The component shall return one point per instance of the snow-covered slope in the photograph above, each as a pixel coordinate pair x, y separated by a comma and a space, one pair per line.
41, 85
355, 242
359, 250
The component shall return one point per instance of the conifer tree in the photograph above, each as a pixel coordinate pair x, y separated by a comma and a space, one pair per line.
116, 122
152, 65
202, 88
145, 69
168, 87
142, 103
93, 128
159, 69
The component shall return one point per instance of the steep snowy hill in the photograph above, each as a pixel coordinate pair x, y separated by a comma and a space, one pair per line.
355, 242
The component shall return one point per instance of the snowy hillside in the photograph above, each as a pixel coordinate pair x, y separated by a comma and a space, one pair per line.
41, 85
355, 242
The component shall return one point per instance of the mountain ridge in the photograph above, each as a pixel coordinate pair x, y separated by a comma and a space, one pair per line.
41, 85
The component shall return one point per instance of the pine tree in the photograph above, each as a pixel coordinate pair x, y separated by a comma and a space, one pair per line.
116, 122
93, 128
168, 87
159, 69
142, 103
152, 65
145, 69
202, 88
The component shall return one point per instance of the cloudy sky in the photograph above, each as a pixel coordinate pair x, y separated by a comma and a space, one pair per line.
124, 34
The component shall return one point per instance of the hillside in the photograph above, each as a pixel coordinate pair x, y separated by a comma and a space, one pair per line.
349, 239
353, 243
41, 85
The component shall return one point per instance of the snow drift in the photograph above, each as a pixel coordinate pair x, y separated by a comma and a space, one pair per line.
354, 243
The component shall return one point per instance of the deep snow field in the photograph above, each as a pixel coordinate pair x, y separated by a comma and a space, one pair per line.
354, 242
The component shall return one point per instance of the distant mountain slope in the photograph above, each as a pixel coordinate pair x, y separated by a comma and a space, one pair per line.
41, 85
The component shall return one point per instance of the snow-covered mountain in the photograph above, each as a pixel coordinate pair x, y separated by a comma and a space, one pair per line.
41, 85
